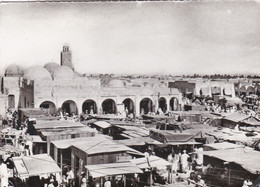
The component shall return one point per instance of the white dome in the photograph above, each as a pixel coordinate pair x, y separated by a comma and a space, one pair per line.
51, 66
36, 73
14, 71
62, 72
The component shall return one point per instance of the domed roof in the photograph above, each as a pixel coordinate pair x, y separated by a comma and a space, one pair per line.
36, 73
115, 83
51, 66
14, 71
62, 72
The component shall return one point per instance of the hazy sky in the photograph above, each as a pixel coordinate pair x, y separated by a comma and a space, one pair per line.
130, 37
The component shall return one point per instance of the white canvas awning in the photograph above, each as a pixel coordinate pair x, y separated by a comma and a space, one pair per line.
102, 170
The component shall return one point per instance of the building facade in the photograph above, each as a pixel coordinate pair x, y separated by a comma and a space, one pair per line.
58, 87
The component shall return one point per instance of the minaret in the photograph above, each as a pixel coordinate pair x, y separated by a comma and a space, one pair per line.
66, 57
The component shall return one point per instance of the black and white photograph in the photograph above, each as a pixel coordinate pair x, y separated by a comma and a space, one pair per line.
125, 93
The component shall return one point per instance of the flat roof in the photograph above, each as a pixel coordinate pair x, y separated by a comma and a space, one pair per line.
236, 117
44, 124
61, 131
248, 158
223, 145
231, 135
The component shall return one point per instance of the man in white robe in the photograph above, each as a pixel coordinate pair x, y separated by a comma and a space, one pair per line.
184, 161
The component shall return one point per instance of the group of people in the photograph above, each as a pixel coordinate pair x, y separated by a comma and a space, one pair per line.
11, 119
180, 161
184, 163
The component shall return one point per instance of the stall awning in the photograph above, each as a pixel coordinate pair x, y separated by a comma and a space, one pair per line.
36, 165
223, 145
140, 141
184, 143
108, 116
102, 124
245, 157
154, 161
56, 124
100, 145
102, 170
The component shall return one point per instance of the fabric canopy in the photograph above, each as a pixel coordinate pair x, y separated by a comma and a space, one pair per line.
102, 170
155, 161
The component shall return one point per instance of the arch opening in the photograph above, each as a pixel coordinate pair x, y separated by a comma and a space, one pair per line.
49, 107
215, 91
89, 107
109, 107
129, 105
146, 106
11, 101
69, 107
174, 104
162, 104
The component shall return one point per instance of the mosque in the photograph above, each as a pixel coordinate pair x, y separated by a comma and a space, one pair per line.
59, 87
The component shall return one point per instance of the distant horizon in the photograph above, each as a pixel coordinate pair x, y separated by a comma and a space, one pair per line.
143, 38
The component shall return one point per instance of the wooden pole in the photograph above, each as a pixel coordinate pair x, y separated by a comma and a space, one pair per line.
61, 159
171, 174
124, 177
151, 178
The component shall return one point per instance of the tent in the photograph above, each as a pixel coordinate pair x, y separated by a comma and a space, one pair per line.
121, 168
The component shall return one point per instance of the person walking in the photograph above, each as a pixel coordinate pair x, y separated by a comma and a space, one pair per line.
184, 161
